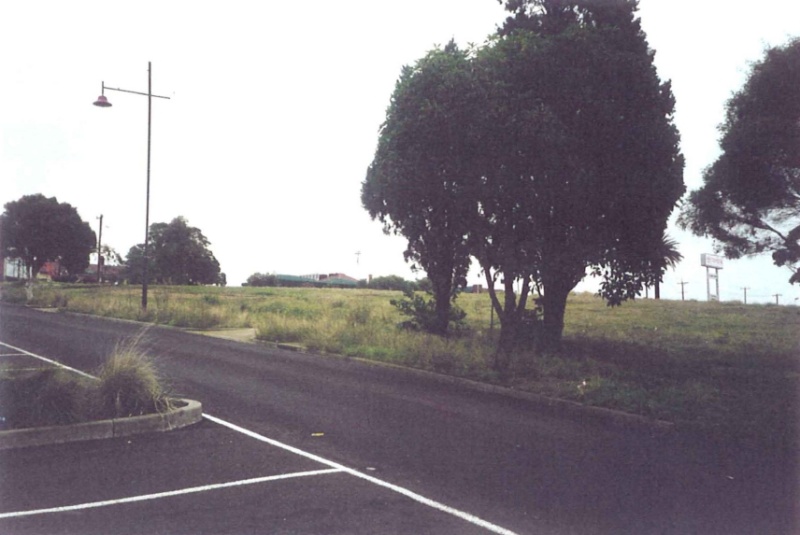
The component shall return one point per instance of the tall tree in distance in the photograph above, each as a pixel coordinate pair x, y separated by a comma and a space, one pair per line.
38, 229
417, 183
179, 254
750, 198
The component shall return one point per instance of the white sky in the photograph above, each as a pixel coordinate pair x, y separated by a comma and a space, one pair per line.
274, 113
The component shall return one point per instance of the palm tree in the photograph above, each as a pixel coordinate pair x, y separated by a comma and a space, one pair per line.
669, 258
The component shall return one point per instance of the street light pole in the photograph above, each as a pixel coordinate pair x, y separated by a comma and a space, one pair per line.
99, 250
103, 102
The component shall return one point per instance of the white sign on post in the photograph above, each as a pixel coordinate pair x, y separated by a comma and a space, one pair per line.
710, 261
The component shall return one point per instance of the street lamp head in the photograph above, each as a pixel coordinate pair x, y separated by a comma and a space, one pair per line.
102, 101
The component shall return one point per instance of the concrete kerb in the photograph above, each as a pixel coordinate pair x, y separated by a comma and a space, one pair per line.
189, 412
555, 406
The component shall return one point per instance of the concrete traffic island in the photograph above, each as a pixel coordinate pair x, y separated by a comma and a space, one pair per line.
185, 412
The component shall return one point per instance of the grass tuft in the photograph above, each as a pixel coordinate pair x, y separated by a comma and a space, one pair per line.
46, 397
129, 384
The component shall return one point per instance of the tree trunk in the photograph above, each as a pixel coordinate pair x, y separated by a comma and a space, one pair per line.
442, 290
554, 301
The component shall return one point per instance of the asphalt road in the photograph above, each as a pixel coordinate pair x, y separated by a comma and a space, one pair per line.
487, 455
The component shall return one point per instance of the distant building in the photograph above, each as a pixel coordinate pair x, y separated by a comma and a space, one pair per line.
330, 280
13, 268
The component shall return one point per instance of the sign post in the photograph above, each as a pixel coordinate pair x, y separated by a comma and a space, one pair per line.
710, 261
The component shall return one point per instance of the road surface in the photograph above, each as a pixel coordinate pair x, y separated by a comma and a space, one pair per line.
491, 456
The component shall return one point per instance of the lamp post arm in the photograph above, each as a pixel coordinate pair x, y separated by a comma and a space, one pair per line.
134, 92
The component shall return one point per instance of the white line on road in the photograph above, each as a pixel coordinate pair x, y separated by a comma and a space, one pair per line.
335, 467
405, 492
169, 494
45, 359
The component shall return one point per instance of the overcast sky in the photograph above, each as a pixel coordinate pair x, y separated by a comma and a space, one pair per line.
274, 111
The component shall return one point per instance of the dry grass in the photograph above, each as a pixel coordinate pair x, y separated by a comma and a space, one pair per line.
725, 367
129, 384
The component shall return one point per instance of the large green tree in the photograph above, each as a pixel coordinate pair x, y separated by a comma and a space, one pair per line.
750, 198
581, 166
178, 254
546, 154
415, 184
38, 229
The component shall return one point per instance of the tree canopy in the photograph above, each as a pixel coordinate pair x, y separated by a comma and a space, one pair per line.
38, 229
584, 167
414, 185
750, 198
549, 152
179, 254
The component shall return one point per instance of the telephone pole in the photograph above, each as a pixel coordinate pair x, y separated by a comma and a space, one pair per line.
683, 298
99, 250
745, 288
776, 296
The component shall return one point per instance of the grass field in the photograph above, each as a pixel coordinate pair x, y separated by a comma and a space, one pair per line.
725, 368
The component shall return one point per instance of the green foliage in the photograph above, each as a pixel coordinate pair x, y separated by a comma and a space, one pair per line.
585, 168
414, 183
50, 396
390, 282
178, 254
750, 196
38, 229
422, 313
547, 152
262, 279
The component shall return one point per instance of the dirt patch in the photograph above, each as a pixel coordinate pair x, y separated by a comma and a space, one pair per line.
237, 335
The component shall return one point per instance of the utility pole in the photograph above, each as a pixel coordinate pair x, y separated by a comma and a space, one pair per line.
683, 298
745, 288
358, 257
99, 251
776, 296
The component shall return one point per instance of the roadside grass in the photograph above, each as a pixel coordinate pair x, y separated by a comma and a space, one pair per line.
127, 384
725, 368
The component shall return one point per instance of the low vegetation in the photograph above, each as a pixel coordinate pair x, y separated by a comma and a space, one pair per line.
725, 368
127, 384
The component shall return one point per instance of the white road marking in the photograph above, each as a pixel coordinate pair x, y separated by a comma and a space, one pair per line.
400, 490
335, 467
169, 494
45, 359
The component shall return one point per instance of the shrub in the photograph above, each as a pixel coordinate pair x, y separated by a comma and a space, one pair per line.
390, 282
50, 396
129, 385
261, 279
422, 313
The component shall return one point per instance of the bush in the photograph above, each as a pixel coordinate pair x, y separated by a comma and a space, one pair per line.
391, 282
129, 385
422, 313
261, 279
50, 396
